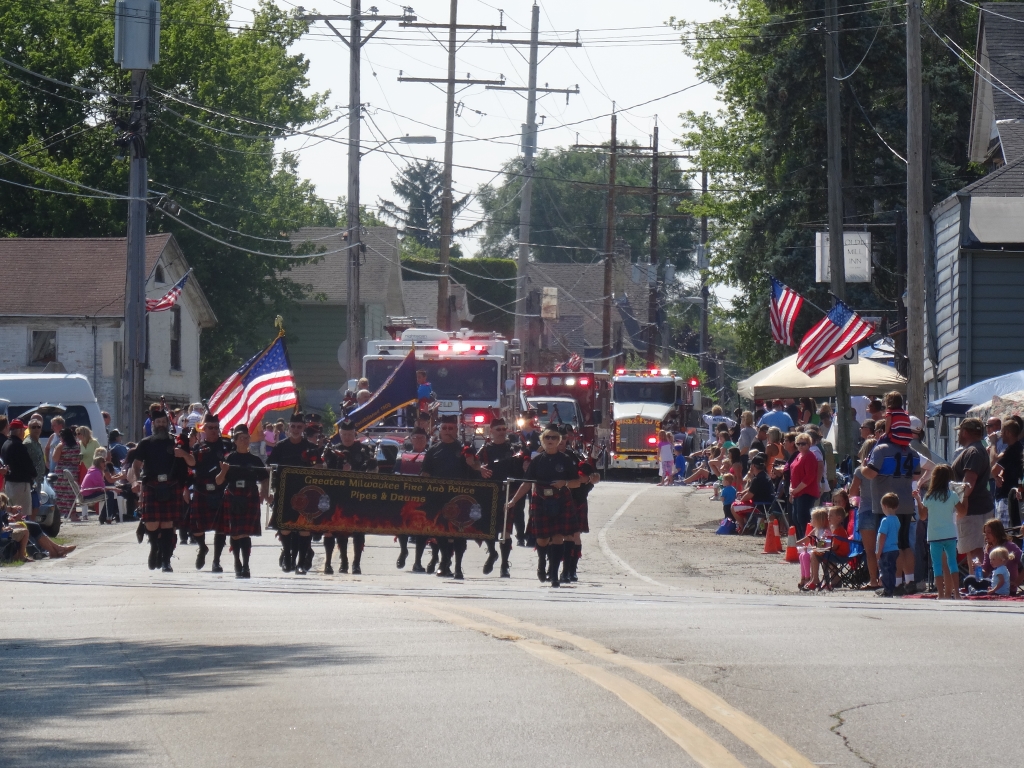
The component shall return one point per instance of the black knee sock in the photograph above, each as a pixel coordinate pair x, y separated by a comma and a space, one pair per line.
328, 549
403, 543
554, 560
236, 549
294, 548
170, 538
246, 546
568, 548
506, 550
358, 544
200, 540
542, 552
459, 552
219, 540
342, 550
421, 546
491, 550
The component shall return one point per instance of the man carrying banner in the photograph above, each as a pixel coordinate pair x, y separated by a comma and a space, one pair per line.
447, 460
296, 451
206, 493
348, 455
159, 460
410, 462
552, 475
504, 460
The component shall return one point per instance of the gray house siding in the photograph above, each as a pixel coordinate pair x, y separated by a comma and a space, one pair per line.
948, 371
996, 285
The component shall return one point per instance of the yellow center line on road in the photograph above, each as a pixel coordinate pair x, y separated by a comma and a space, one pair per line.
769, 746
699, 745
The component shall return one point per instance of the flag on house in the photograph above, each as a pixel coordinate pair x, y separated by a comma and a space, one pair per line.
265, 383
784, 308
170, 298
831, 338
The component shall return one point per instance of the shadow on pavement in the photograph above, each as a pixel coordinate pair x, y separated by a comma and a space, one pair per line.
47, 686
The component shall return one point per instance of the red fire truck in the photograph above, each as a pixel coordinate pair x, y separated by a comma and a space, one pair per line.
577, 398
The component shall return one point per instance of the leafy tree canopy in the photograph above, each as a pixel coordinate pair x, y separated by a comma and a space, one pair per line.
766, 148
218, 167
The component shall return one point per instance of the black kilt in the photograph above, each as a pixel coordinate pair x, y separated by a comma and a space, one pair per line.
240, 514
552, 515
162, 503
204, 511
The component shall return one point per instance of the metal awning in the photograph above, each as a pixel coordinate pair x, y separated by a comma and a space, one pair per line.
989, 221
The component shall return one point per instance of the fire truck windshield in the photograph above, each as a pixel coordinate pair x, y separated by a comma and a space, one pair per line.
472, 379
644, 392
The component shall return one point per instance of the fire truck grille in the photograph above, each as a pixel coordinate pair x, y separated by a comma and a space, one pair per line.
633, 437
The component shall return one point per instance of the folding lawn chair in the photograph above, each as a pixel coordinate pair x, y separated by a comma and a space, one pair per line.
82, 504
850, 572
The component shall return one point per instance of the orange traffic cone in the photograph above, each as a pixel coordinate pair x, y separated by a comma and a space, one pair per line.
772, 540
791, 554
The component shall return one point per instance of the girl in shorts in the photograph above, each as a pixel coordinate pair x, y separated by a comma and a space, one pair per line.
665, 457
938, 507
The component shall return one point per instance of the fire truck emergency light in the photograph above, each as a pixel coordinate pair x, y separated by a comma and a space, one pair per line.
478, 419
584, 382
529, 381
694, 383
652, 440
620, 371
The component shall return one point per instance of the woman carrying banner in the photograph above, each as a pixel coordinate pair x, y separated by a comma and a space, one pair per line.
552, 475
246, 483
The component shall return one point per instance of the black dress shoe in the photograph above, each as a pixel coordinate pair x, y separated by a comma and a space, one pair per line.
417, 568
445, 573
328, 569
245, 572
458, 574
216, 567
300, 569
400, 563
504, 572
520, 542
489, 564
167, 567
154, 560
201, 558
431, 566
356, 570
343, 568
238, 573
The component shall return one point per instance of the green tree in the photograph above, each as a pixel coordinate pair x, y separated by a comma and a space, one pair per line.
569, 209
420, 185
218, 167
765, 149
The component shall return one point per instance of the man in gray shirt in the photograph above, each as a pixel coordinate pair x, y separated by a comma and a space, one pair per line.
892, 469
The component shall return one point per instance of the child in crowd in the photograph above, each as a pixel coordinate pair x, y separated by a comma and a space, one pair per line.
938, 507
665, 457
887, 543
680, 465
999, 557
897, 420
995, 538
728, 494
838, 548
819, 533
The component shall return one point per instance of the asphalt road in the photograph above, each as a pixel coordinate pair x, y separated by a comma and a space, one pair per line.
675, 648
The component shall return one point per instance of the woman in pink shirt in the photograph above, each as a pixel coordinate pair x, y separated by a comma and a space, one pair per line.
803, 483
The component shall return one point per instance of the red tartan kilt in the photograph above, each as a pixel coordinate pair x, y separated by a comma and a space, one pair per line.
242, 519
552, 516
204, 512
583, 517
156, 510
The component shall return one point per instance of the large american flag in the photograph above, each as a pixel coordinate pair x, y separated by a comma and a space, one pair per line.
264, 383
170, 298
784, 308
831, 338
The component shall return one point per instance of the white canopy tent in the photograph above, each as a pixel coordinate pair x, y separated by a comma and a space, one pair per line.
784, 379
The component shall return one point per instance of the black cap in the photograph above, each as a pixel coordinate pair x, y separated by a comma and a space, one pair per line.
757, 461
450, 418
314, 418
114, 433
240, 429
498, 422
296, 418
422, 416
420, 431
346, 425
211, 418
157, 413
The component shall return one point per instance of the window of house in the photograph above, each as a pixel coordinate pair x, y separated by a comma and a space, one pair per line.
44, 348
158, 275
175, 338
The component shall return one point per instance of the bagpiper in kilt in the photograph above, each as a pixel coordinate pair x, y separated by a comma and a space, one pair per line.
246, 482
503, 460
552, 513
572, 549
161, 463
349, 455
296, 451
411, 463
204, 510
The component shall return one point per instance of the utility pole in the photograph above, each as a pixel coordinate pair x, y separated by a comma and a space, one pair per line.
652, 277
529, 149
836, 242
915, 215
899, 341
136, 48
353, 231
609, 247
704, 292
444, 257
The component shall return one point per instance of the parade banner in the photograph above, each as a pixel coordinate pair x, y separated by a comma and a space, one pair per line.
323, 500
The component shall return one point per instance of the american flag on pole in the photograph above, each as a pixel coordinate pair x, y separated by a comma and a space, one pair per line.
831, 338
264, 383
170, 298
784, 308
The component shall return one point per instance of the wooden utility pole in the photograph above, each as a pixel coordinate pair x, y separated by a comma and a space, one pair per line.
353, 231
609, 247
915, 215
652, 277
836, 242
704, 292
529, 142
450, 82
134, 377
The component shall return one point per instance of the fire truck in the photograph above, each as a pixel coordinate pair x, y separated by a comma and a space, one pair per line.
580, 399
643, 402
472, 373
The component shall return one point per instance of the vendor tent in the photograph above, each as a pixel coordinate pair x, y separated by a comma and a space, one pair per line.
959, 402
784, 379
1000, 407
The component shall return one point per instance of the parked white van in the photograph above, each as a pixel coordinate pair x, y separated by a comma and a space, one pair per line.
69, 394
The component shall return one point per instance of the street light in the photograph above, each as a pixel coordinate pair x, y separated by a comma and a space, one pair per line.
403, 140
